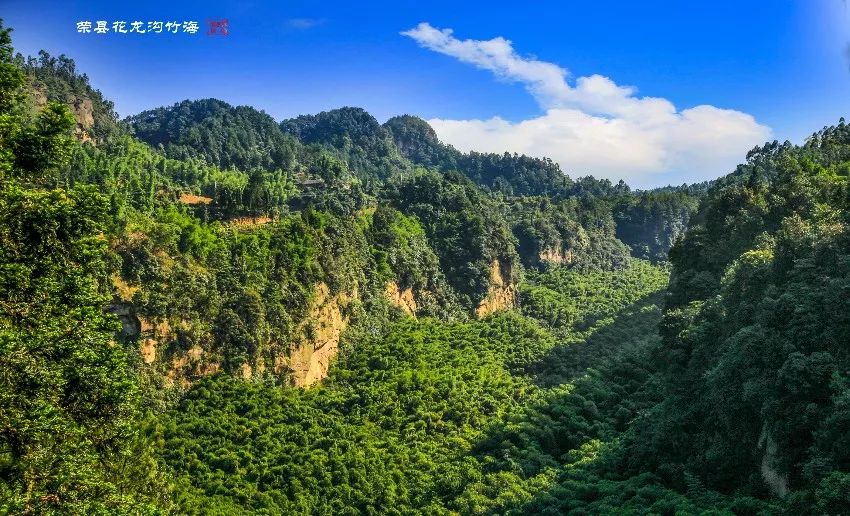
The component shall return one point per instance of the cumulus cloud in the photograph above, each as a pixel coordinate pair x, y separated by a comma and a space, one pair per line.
592, 125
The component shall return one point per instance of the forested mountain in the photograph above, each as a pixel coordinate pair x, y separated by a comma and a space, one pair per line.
205, 311
55, 79
355, 137
510, 174
651, 222
350, 138
225, 136
758, 323
577, 232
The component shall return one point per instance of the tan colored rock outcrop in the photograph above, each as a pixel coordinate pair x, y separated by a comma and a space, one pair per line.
557, 256
403, 299
190, 365
148, 350
501, 294
81, 107
317, 339
83, 111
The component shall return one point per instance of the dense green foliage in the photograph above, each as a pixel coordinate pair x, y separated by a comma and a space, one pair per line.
549, 206
239, 294
651, 222
464, 227
350, 139
355, 137
755, 333
67, 395
578, 232
510, 174
408, 419
156, 275
55, 79
225, 136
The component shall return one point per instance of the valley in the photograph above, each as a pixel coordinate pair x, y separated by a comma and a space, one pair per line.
204, 310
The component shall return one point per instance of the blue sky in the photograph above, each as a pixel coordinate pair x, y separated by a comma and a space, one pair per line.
759, 70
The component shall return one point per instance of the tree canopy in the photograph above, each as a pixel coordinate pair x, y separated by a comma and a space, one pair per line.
482, 333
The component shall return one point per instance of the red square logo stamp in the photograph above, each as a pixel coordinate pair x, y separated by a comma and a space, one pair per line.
218, 27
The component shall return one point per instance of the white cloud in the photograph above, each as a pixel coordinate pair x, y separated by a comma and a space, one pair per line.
595, 126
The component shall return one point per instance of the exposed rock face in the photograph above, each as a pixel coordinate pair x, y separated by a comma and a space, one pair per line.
192, 200
182, 366
306, 359
188, 365
403, 299
246, 371
248, 222
39, 96
81, 107
83, 111
556, 256
151, 335
501, 293
777, 482
148, 350
317, 341
130, 327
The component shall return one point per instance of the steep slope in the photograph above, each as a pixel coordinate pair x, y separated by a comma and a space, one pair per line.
648, 222
651, 222
69, 411
350, 139
56, 79
756, 335
467, 232
411, 417
418, 141
161, 237
574, 232
475, 337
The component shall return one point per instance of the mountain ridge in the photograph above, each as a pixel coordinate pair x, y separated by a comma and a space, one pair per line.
203, 310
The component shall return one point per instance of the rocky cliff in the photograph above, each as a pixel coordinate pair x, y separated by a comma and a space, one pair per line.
81, 107
556, 256
502, 291
403, 299
304, 360
317, 340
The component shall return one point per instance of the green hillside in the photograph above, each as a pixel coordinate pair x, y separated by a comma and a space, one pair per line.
204, 310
